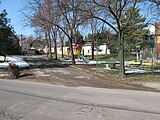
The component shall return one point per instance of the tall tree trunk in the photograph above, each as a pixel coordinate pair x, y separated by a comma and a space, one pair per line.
71, 48
92, 47
62, 49
62, 43
121, 55
50, 45
72, 53
47, 42
54, 37
107, 45
55, 48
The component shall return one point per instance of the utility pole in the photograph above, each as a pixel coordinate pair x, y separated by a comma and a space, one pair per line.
20, 45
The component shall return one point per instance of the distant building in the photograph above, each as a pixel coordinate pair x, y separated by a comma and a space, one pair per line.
25, 46
86, 50
102, 50
155, 31
157, 38
37, 47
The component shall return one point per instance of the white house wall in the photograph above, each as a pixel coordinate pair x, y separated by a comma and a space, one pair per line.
86, 50
152, 29
25, 45
59, 50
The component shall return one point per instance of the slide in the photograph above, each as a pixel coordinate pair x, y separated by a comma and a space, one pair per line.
84, 59
97, 62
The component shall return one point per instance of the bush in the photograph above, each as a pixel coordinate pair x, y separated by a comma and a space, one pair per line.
14, 71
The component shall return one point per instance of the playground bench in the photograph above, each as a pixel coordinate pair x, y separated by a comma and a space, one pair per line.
112, 64
135, 63
145, 64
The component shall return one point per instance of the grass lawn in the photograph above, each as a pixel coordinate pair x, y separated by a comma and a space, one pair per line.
114, 75
3, 70
112, 57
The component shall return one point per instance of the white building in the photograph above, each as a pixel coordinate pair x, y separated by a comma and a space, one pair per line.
102, 50
152, 30
86, 50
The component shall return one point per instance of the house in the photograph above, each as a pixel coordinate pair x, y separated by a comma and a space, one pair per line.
86, 50
25, 46
157, 38
101, 50
155, 31
37, 47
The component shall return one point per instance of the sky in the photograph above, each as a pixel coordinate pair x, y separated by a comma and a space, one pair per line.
13, 8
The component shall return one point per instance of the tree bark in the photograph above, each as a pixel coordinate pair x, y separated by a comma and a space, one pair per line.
62, 49
72, 53
71, 47
50, 45
92, 46
55, 48
121, 55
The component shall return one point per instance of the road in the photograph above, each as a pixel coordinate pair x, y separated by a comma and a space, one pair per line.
38, 101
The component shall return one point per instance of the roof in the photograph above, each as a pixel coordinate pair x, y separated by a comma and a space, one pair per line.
77, 46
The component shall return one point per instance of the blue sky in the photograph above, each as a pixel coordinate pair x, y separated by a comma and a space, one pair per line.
13, 8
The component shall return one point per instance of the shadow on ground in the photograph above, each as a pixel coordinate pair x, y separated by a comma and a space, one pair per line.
43, 63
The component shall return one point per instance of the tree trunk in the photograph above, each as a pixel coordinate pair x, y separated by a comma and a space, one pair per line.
54, 37
106, 46
71, 48
50, 45
55, 48
62, 49
121, 55
92, 46
72, 54
47, 42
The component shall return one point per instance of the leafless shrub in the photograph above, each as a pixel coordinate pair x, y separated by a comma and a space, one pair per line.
14, 71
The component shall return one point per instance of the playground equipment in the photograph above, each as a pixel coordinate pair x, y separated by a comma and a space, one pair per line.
137, 63
107, 63
84, 59
77, 50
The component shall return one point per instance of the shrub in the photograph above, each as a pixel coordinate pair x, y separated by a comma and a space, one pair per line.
13, 70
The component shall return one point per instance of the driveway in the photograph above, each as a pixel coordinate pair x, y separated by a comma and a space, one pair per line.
43, 70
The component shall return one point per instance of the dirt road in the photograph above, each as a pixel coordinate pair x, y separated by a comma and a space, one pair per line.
43, 70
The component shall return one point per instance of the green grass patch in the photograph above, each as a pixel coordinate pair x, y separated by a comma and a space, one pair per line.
112, 57
3, 70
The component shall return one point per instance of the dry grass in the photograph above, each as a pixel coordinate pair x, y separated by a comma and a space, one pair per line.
114, 75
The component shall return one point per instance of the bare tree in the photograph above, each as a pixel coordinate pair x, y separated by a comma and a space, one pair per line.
38, 13
94, 24
157, 2
62, 37
112, 14
154, 8
63, 14
70, 13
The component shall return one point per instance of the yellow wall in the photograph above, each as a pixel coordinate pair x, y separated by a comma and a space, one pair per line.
77, 51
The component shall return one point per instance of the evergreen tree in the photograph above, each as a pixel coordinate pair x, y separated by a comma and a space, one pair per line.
104, 37
134, 31
8, 40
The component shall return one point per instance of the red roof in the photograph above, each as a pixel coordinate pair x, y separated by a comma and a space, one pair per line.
78, 46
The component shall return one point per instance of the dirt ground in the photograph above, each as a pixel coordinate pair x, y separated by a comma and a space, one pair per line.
46, 71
